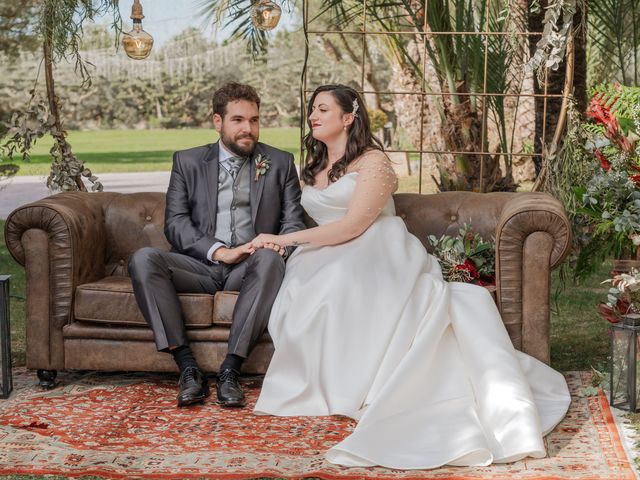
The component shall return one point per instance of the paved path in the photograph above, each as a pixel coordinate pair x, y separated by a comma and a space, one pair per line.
21, 190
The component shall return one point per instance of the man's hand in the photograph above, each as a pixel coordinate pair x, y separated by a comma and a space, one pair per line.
231, 256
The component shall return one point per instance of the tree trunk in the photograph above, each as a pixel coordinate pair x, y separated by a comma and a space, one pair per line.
59, 135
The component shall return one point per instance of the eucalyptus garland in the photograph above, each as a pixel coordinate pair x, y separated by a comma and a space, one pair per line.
552, 46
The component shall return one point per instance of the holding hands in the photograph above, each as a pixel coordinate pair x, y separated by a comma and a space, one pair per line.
266, 240
231, 256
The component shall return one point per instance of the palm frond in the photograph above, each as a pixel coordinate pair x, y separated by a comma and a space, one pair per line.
237, 14
614, 40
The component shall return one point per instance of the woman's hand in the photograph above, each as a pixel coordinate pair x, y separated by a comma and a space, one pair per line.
266, 240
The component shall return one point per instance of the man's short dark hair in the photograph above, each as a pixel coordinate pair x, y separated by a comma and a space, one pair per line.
231, 92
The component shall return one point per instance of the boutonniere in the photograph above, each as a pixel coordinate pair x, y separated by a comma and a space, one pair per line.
263, 163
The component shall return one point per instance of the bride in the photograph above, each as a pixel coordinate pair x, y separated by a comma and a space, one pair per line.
364, 325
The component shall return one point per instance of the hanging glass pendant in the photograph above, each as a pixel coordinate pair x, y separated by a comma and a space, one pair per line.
137, 43
265, 14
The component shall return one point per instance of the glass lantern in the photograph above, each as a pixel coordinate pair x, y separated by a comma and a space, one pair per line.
137, 43
623, 366
6, 381
265, 14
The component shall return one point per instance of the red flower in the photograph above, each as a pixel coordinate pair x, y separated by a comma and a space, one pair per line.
608, 313
613, 315
635, 178
470, 267
602, 114
604, 163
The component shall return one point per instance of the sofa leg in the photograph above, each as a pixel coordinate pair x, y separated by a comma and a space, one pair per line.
47, 379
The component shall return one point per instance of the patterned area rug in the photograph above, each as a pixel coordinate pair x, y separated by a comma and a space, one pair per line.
127, 426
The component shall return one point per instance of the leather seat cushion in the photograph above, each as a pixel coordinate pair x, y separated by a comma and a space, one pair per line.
111, 301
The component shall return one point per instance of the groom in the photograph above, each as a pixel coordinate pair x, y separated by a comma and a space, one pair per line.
220, 197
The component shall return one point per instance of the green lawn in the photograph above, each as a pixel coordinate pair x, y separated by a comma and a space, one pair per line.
112, 151
108, 151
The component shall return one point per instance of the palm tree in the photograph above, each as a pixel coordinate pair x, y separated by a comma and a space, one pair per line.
614, 41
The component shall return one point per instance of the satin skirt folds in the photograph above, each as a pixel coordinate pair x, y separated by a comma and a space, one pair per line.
368, 329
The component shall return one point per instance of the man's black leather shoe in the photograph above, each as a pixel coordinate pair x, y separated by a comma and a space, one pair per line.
228, 388
194, 387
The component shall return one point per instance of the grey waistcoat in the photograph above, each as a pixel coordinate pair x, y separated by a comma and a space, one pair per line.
233, 218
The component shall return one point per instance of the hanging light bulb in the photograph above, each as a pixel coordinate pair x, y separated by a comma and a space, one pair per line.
265, 14
137, 43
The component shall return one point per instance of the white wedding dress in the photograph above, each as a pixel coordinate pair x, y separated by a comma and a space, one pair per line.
368, 329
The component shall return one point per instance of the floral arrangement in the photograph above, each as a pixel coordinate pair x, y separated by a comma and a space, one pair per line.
465, 258
609, 202
623, 297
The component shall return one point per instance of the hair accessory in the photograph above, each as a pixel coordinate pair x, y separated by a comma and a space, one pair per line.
355, 107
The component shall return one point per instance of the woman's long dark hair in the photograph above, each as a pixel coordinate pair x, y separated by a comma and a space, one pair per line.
359, 136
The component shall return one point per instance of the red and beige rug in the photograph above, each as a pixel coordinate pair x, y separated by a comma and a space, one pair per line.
127, 426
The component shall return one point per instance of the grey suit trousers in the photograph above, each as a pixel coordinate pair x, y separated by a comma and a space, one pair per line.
158, 276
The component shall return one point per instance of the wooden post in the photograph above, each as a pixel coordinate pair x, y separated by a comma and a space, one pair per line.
5, 339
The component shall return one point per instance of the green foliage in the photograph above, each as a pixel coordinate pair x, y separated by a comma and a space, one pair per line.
61, 26
378, 119
595, 176
16, 27
624, 102
236, 14
614, 41
24, 129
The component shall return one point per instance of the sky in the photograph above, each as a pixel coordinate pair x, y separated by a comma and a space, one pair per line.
166, 18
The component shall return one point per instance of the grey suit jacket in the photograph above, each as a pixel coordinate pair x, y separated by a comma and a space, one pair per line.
192, 197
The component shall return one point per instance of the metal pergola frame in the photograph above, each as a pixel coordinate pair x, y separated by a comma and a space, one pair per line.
547, 150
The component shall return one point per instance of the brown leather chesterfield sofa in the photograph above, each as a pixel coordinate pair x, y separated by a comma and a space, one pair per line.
81, 312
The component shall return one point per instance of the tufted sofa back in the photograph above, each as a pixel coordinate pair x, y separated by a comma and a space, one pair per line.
136, 220
445, 213
132, 221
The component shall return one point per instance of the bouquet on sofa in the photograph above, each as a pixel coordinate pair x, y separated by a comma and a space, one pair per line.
466, 258
623, 297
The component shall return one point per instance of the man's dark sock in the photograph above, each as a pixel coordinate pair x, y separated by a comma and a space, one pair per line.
183, 357
232, 361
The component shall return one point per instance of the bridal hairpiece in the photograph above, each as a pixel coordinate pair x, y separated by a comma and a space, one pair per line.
355, 107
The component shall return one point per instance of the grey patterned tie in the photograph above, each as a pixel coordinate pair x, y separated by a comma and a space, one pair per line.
235, 164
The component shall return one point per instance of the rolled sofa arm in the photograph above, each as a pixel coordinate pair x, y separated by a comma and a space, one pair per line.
533, 235
61, 241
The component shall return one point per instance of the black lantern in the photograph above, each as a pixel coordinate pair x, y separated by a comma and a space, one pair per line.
6, 382
624, 363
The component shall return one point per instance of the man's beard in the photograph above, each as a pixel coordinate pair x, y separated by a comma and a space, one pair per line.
234, 147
